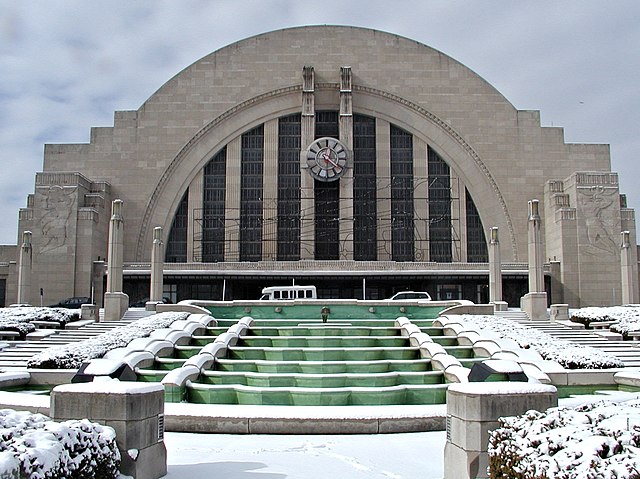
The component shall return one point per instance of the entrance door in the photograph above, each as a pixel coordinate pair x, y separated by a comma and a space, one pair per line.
448, 292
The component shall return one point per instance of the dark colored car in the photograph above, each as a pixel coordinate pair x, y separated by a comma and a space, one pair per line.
143, 302
72, 303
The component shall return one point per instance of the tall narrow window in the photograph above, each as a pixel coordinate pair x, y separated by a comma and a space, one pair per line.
327, 197
251, 169
213, 204
402, 235
476, 243
440, 237
176, 251
364, 189
289, 130
3, 289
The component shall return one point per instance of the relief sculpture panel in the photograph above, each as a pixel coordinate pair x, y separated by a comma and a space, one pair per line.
599, 206
58, 204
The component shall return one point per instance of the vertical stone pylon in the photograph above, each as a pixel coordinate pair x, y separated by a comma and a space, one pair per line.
115, 301
307, 135
629, 282
495, 267
24, 269
115, 252
157, 265
534, 303
536, 272
345, 122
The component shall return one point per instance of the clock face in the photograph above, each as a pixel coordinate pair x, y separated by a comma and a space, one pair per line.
326, 159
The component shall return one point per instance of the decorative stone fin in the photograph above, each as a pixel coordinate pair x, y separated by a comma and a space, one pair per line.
556, 186
94, 200
308, 79
88, 214
592, 178
627, 214
561, 200
345, 79
346, 108
25, 214
101, 187
62, 179
308, 95
566, 214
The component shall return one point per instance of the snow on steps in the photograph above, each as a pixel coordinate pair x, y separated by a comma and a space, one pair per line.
17, 355
612, 343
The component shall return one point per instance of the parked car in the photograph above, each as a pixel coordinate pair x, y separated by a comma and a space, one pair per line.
72, 303
410, 296
143, 302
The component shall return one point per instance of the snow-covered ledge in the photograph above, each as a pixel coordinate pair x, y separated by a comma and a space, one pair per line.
135, 410
473, 410
628, 378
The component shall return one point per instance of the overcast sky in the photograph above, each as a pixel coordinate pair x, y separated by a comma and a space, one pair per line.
67, 65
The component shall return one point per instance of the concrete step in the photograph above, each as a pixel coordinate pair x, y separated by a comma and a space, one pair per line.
602, 340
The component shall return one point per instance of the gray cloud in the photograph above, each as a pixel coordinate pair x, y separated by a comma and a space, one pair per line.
68, 65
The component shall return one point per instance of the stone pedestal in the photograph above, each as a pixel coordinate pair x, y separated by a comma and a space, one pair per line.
500, 305
152, 305
134, 410
559, 312
473, 410
535, 305
89, 312
115, 305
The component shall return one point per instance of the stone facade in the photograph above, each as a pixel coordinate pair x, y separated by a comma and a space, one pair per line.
153, 156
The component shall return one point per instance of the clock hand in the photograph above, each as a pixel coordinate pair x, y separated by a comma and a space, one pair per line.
329, 160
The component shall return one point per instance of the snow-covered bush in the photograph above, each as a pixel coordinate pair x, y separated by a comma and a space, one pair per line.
19, 318
567, 354
595, 441
33, 446
627, 317
71, 356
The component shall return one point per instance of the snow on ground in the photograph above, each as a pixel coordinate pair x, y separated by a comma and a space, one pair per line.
628, 316
19, 318
383, 456
392, 456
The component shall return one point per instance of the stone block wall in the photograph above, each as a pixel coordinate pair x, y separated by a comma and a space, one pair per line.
134, 410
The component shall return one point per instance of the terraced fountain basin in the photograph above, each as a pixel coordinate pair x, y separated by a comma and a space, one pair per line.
354, 361
284, 355
298, 396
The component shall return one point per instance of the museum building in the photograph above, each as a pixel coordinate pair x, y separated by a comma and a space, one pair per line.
355, 160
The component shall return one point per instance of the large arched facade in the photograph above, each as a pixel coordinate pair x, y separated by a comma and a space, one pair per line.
463, 161
224, 158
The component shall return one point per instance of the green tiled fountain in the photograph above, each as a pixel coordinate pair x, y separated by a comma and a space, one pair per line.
287, 357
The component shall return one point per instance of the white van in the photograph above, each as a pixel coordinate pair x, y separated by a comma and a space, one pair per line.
288, 293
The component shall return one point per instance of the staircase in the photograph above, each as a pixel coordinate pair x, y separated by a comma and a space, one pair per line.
16, 356
627, 351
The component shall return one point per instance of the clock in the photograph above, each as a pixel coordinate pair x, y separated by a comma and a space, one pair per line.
327, 159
